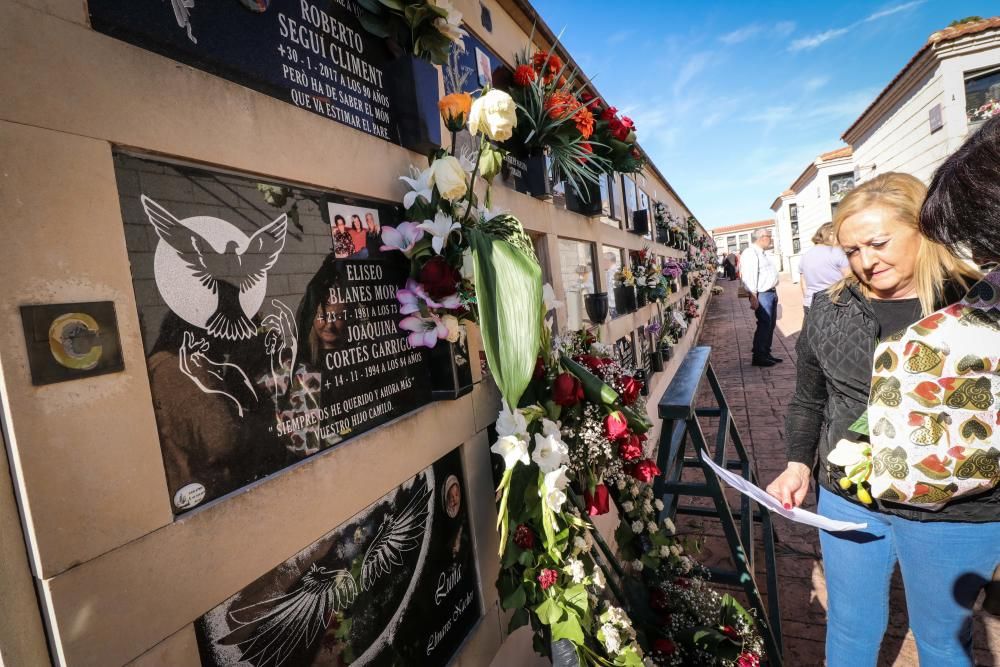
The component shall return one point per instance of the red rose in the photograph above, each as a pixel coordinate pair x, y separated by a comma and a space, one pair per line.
439, 278
524, 537
644, 471
658, 600
748, 659
730, 632
567, 390
609, 114
588, 149
539, 368
682, 582
618, 129
590, 361
547, 578
524, 75
587, 97
630, 389
664, 646
628, 122
615, 426
597, 503
629, 448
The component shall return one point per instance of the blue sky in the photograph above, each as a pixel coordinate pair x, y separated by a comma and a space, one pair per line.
733, 99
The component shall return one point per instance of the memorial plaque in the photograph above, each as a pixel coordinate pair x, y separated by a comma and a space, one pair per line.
269, 319
310, 53
625, 351
396, 584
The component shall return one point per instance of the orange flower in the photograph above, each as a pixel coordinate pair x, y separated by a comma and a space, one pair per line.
549, 62
561, 105
455, 110
524, 75
584, 121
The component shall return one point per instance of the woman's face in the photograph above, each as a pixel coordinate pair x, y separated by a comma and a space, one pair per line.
882, 251
329, 325
355, 222
370, 222
341, 223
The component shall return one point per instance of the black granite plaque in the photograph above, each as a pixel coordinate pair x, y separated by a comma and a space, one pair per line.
396, 584
311, 53
269, 318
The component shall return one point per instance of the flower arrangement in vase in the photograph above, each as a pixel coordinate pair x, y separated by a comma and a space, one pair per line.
625, 290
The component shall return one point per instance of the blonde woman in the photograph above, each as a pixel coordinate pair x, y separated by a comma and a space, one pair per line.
822, 265
898, 276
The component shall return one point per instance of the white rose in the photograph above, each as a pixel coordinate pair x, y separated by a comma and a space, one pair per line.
637, 527
659, 506
454, 330
598, 578
628, 506
494, 114
637, 565
652, 527
449, 177
664, 551
612, 641
621, 484
675, 550
667, 523
575, 570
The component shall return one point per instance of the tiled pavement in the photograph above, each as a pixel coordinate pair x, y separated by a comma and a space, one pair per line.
759, 398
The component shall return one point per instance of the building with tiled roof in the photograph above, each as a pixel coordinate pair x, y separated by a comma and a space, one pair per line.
734, 238
949, 86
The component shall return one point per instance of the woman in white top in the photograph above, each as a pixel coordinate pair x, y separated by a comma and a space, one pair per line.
822, 265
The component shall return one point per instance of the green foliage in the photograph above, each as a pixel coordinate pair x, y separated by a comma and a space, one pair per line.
861, 425
967, 19
409, 24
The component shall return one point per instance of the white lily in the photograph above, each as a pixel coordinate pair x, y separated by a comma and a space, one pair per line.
512, 449
552, 428
555, 499
487, 214
848, 453
511, 422
556, 480
440, 228
550, 452
420, 186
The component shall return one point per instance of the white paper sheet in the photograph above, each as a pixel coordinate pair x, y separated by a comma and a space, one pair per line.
768, 501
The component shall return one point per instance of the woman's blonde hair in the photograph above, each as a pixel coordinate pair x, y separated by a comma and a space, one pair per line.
824, 235
903, 195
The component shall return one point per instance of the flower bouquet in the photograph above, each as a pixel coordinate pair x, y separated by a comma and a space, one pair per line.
649, 283
425, 29
614, 137
553, 122
625, 290
690, 308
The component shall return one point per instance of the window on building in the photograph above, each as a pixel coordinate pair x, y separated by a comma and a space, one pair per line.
982, 94
796, 246
617, 199
793, 212
795, 230
731, 243
840, 185
631, 199
611, 261
604, 182
576, 264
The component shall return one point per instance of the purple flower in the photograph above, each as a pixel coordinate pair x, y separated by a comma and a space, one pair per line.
424, 331
402, 237
413, 294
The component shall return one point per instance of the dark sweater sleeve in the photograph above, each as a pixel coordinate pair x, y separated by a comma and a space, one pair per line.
806, 412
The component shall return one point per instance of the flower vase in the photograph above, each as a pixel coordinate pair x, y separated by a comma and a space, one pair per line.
640, 222
451, 369
413, 87
539, 182
684, 280
666, 351
641, 297
629, 299
588, 202
656, 360
597, 307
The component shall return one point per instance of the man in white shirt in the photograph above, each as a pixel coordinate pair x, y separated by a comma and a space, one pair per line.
760, 277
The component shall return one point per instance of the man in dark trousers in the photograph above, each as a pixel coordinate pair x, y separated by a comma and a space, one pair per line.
730, 264
760, 277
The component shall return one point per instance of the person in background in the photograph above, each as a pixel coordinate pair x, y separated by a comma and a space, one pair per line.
822, 265
760, 277
898, 276
732, 260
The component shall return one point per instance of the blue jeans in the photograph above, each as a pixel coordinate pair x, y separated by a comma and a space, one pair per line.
767, 316
944, 566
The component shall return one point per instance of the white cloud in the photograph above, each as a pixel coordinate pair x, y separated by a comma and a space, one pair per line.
813, 41
741, 34
815, 83
694, 66
784, 28
893, 10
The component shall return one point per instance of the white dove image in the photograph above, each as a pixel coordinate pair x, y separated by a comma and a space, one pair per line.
243, 261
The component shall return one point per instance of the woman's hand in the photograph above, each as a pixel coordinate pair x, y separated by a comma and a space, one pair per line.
791, 486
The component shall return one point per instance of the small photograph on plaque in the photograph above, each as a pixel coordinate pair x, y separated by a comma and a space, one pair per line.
395, 585
68, 341
269, 319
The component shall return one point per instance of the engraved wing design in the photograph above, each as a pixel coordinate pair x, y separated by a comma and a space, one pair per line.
397, 535
268, 633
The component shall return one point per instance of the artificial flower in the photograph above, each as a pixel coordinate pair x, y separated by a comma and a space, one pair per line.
615, 426
628, 505
644, 471
612, 640
549, 298
448, 175
524, 75
512, 422
652, 528
402, 237
748, 659
554, 500
454, 328
579, 544
439, 278
494, 114
849, 454
637, 565
598, 578
584, 121
550, 453
731, 632
552, 428
547, 578
547, 63
560, 105
468, 271
420, 186
637, 526
451, 24
413, 295
556, 479
513, 449
658, 600
630, 390
598, 502
667, 523
574, 567
664, 647
567, 390
440, 227
524, 537
629, 448
455, 109
424, 331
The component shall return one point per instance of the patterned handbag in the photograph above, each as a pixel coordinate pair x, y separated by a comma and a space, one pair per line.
933, 415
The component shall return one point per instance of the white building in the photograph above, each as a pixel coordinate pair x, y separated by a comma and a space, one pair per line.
734, 238
945, 91
810, 202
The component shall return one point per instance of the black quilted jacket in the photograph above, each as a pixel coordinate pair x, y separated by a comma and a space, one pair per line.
834, 372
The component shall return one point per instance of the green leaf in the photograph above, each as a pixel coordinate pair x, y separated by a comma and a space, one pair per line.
516, 599
861, 425
594, 387
569, 629
394, 5
637, 422
509, 293
576, 598
549, 612
519, 618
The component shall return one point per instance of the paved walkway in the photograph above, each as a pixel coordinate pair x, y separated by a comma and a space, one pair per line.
759, 398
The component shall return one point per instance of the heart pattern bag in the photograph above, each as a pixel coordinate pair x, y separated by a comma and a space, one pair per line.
933, 417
